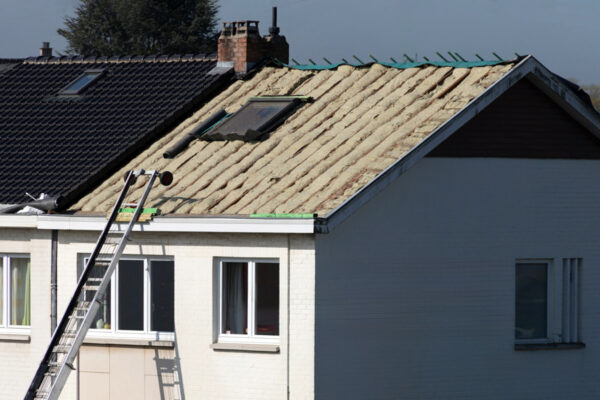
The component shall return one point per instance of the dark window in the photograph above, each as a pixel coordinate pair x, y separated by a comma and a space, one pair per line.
131, 295
162, 295
531, 311
82, 82
235, 298
257, 117
267, 299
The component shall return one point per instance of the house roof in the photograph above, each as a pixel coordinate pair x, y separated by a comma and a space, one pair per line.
362, 121
65, 145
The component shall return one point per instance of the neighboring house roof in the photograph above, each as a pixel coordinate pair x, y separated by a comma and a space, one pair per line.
366, 126
66, 145
362, 120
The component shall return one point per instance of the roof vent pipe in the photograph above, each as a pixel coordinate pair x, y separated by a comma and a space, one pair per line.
194, 134
274, 29
47, 204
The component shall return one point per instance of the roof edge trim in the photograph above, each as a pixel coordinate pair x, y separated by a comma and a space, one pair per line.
528, 67
166, 224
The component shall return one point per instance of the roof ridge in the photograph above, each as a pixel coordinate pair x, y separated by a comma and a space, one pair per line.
403, 65
120, 59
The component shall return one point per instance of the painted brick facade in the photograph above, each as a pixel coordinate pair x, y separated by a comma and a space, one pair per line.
192, 369
415, 293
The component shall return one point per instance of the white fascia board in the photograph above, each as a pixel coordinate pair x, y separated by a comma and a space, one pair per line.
529, 68
182, 224
18, 221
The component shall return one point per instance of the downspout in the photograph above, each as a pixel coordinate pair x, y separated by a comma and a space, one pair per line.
53, 281
289, 286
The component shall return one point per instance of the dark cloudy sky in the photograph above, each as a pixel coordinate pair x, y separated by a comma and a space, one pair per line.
562, 34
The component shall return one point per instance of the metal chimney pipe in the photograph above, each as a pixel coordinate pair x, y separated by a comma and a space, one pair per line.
274, 30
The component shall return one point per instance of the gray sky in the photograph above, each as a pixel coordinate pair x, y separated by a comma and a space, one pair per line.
562, 34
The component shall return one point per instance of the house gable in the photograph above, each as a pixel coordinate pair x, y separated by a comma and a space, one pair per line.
522, 123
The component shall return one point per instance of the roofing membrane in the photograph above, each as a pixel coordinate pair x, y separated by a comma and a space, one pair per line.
362, 120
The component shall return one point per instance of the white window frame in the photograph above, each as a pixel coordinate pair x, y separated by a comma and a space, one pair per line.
5, 326
251, 337
563, 318
146, 333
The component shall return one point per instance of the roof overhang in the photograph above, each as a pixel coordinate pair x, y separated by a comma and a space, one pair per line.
528, 68
162, 224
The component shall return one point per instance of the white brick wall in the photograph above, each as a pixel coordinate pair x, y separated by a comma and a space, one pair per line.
415, 293
205, 373
18, 361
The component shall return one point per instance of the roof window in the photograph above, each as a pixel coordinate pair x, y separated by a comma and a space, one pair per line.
82, 82
257, 117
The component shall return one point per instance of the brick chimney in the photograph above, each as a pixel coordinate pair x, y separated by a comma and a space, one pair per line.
45, 50
241, 45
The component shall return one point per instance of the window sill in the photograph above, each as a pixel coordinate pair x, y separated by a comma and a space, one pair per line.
15, 337
548, 346
246, 347
116, 341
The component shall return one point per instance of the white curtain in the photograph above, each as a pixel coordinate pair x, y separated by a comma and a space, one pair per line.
20, 269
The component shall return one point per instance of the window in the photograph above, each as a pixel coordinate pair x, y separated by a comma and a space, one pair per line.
82, 82
15, 291
249, 301
547, 301
257, 117
139, 300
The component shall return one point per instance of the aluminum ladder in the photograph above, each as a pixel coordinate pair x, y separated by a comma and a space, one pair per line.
57, 363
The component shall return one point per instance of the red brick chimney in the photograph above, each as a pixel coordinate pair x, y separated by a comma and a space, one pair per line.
240, 44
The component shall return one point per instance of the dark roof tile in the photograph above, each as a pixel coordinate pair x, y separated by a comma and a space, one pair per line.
64, 145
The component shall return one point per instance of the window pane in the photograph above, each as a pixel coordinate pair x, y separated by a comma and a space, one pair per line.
131, 295
162, 296
531, 301
235, 298
20, 292
1, 291
267, 299
102, 320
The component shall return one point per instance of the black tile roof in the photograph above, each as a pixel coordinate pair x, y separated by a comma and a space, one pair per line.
67, 145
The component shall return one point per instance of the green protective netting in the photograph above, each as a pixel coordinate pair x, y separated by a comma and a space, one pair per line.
459, 64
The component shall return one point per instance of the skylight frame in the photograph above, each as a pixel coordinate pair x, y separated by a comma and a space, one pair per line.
66, 91
230, 128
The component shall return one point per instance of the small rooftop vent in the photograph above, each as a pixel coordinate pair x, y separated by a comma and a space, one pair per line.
257, 117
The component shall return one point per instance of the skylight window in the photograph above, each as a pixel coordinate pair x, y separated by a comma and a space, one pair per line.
257, 117
82, 82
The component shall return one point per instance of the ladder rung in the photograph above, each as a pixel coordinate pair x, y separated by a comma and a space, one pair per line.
95, 279
61, 348
91, 287
113, 240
